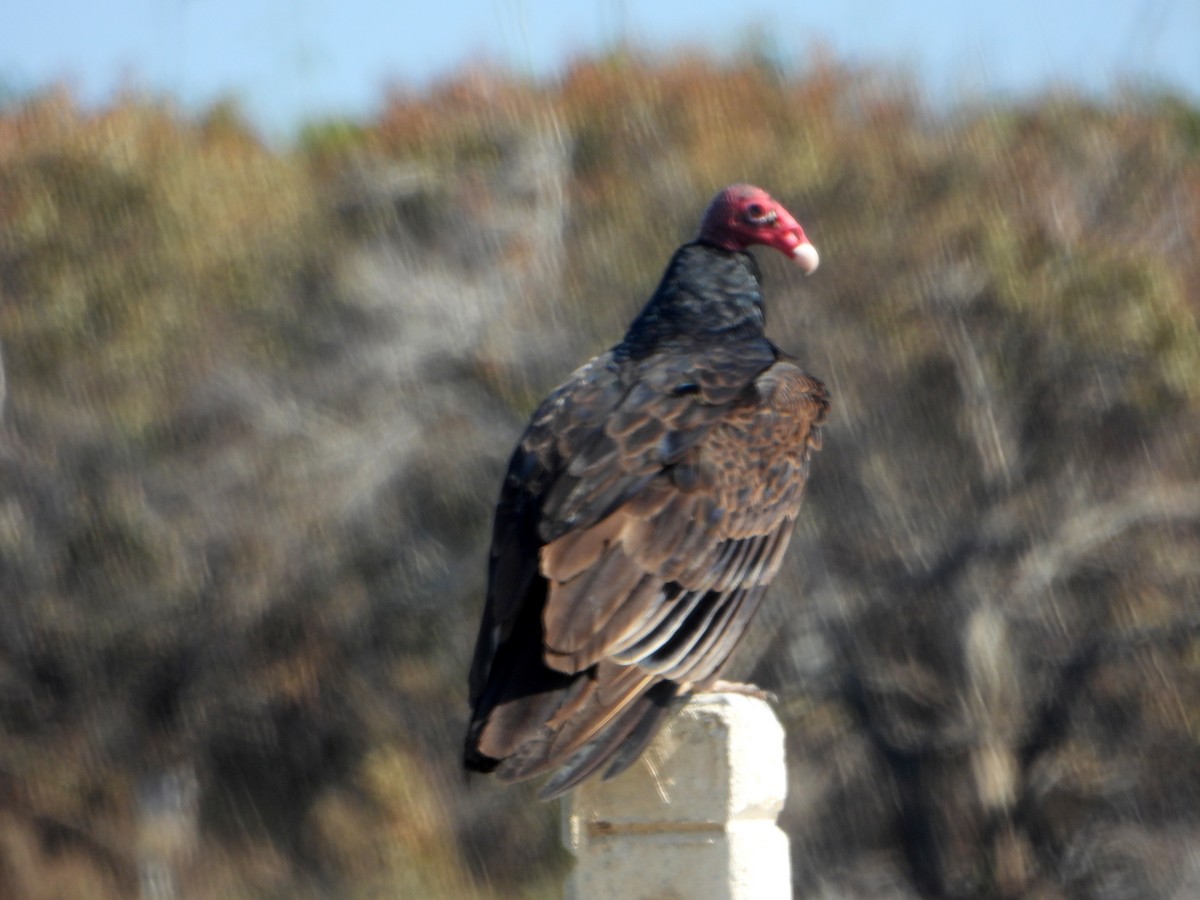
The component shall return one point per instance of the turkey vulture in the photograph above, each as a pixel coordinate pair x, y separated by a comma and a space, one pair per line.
644, 512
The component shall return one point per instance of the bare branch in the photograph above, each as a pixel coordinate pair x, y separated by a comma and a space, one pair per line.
1080, 535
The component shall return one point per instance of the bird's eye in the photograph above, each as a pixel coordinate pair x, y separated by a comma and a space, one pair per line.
759, 215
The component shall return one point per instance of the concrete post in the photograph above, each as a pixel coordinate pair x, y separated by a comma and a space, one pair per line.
694, 817
168, 805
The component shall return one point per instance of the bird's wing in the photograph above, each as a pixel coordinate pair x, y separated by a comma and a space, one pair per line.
666, 579
642, 520
579, 406
594, 444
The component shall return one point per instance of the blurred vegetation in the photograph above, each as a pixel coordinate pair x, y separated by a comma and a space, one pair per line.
259, 402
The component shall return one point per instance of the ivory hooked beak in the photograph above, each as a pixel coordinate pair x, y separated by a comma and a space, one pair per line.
808, 258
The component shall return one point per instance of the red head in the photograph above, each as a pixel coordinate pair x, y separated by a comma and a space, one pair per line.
743, 215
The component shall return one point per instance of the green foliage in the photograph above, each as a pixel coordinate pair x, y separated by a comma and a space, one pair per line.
134, 246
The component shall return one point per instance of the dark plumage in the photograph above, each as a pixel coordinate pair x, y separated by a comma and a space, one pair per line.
645, 510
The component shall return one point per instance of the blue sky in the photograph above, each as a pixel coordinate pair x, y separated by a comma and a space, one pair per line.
291, 60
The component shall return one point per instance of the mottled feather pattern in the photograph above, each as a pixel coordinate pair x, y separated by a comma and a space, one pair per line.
645, 510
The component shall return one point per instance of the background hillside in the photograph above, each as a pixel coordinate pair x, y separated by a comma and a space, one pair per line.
258, 403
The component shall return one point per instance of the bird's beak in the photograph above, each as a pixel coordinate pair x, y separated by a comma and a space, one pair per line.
794, 242
806, 255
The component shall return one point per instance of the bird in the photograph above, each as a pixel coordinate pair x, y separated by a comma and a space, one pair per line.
645, 510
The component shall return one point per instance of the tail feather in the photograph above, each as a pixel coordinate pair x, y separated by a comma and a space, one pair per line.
609, 692
529, 719
631, 748
617, 746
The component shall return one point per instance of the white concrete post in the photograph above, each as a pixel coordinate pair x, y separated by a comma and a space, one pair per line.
168, 806
694, 817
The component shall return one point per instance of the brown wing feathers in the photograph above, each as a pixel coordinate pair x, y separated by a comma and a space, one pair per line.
655, 590
644, 512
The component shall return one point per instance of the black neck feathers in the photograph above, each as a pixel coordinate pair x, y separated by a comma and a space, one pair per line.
706, 294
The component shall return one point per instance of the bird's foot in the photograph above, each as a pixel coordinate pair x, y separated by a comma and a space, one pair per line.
737, 687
